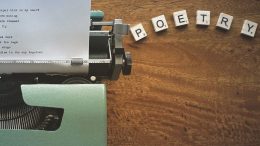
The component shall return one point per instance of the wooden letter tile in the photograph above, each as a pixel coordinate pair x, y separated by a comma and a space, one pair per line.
159, 23
225, 21
181, 18
203, 17
249, 28
138, 32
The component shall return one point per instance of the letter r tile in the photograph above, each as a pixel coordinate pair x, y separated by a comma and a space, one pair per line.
225, 21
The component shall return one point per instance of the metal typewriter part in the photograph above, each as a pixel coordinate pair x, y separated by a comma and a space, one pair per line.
107, 60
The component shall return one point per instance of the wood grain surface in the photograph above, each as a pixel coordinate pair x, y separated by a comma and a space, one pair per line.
190, 86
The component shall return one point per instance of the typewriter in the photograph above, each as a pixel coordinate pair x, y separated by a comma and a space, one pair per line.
40, 108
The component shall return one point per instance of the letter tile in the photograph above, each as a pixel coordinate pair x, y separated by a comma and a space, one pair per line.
159, 23
225, 21
203, 17
249, 28
181, 18
138, 32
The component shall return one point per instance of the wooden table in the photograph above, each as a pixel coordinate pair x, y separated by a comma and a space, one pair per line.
191, 86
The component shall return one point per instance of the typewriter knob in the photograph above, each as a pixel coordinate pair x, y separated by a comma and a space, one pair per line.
127, 67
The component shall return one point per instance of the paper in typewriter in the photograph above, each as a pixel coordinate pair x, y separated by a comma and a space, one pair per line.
44, 35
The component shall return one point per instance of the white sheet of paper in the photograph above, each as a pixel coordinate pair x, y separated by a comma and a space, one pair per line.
44, 30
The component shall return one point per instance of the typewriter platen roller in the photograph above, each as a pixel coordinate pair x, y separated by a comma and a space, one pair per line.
30, 115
